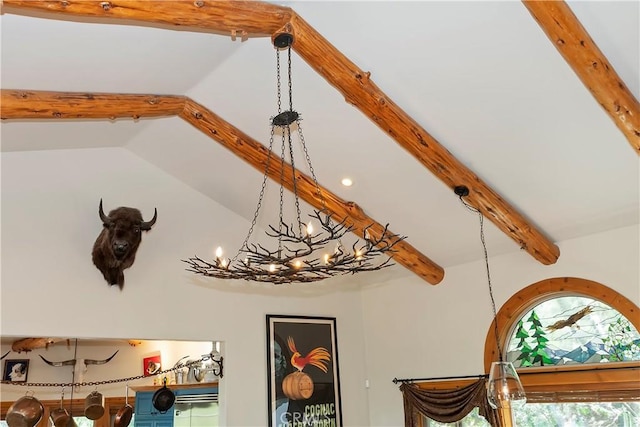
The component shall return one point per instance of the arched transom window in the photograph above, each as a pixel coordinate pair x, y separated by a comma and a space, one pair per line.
567, 330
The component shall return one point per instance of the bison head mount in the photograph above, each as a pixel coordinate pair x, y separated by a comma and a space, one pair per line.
115, 248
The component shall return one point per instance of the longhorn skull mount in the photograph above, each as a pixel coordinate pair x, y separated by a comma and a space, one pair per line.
79, 365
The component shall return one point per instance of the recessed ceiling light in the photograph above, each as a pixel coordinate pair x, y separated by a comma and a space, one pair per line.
347, 182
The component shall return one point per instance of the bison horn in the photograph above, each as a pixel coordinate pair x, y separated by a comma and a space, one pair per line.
105, 219
58, 364
147, 225
100, 362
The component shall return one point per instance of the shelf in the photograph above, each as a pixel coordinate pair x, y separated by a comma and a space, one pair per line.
174, 386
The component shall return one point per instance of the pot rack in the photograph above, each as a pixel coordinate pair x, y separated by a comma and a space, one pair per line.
211, 356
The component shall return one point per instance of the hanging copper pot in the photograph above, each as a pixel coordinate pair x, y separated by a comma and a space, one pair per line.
94, 405
59, 416
123, 417
25, 412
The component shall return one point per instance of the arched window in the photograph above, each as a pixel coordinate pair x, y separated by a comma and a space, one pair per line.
576, 346
581, 320
572, 340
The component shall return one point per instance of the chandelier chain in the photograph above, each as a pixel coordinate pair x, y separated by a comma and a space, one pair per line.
278, 81
291, 156
282, 163
290, 81
245, 244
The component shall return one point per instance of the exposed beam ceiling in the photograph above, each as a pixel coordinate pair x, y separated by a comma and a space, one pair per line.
585, 58
19, 104
257, 18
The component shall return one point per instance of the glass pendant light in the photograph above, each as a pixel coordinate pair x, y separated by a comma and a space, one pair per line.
504, 388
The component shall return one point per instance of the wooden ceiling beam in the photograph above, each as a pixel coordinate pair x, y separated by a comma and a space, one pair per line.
21, 104
236, 18
360, 91
354, 84
585, 58
26, 104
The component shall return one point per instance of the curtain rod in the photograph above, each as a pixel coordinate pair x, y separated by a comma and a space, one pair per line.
410, 380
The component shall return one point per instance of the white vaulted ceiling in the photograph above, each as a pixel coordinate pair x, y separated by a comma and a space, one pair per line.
481, 77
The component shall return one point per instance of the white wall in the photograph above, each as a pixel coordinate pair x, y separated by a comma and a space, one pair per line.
50, 287
414, 330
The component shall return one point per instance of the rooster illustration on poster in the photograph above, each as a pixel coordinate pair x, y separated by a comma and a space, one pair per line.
299, 385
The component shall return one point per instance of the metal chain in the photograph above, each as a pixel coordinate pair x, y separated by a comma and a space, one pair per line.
290, 84
313, 174
265, 177
278, 79
113, 381
259, 205
293, 165
282, 163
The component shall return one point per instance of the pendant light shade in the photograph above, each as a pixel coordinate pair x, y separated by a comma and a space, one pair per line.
504, 389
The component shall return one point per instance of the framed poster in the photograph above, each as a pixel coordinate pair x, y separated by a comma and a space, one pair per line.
303, 380
16, 370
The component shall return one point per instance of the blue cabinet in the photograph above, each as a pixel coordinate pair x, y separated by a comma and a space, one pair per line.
153, 423
147, 415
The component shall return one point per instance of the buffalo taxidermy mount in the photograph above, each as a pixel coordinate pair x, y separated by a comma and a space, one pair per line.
116, 246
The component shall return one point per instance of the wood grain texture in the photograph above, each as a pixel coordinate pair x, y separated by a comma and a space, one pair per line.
359, 90
257, 155
27, 104
589, 63
242, 18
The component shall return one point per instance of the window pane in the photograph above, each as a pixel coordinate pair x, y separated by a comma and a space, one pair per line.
471, 420
572, 330
600, 414
596, 414
83, 422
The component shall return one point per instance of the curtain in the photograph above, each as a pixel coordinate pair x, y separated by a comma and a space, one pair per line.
446, 406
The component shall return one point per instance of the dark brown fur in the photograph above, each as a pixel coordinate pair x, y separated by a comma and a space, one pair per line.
115, 248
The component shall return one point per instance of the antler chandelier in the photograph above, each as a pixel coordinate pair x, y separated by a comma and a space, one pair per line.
302, 252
